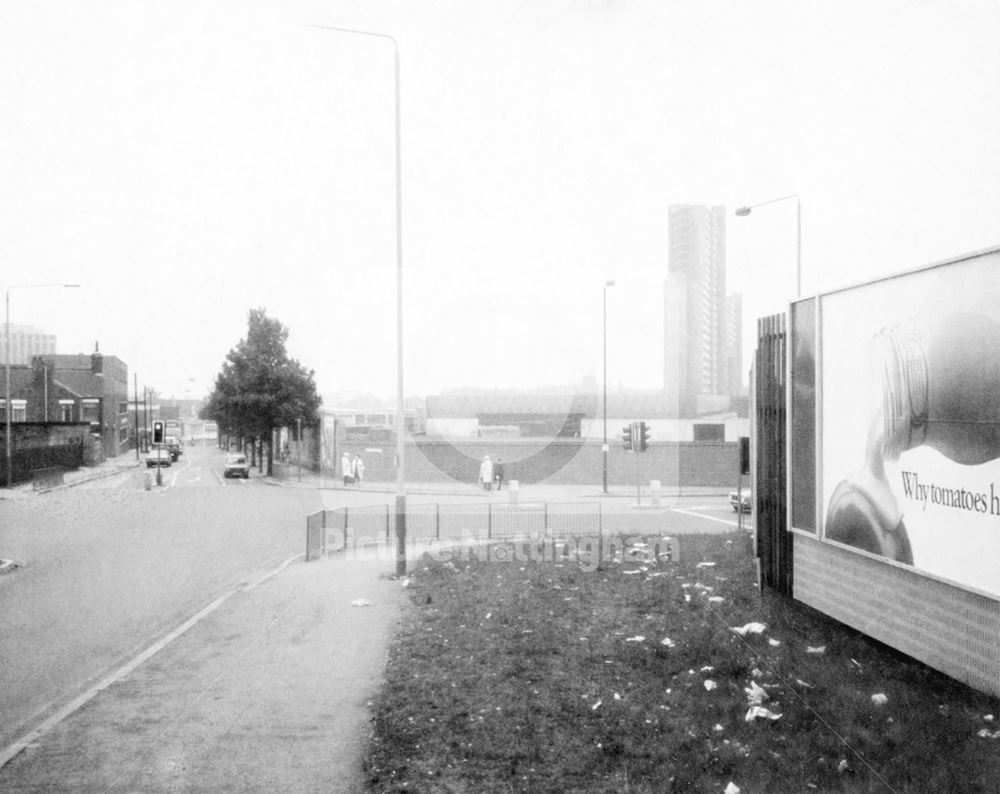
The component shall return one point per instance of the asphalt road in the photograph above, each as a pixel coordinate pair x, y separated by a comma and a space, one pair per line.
106, 568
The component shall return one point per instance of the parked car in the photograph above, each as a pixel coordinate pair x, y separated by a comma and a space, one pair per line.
236, 466
740, 501
158, 456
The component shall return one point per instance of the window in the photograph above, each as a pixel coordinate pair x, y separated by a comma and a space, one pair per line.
19, 412
91, 410
65, 410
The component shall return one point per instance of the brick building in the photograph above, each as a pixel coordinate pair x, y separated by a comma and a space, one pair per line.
74, 388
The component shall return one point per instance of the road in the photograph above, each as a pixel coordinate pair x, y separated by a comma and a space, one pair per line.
108, 567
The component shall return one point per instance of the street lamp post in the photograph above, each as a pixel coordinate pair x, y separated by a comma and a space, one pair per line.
7, 408
744, 211
604, 381
400, 420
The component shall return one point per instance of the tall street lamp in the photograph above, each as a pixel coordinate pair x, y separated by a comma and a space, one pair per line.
604, 380
8, 409
400, 421
744, 211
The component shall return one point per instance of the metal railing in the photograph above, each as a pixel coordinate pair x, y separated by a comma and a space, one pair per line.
357, 527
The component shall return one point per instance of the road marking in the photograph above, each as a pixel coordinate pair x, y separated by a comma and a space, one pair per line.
74, 705
707, 518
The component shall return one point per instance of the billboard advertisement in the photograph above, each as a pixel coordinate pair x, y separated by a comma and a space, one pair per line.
909, 395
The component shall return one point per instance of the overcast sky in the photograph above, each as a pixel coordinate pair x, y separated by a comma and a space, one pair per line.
188, 161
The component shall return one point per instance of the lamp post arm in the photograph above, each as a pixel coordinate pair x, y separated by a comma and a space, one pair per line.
773, 201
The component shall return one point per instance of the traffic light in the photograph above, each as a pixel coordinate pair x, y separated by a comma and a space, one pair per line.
643, 436
627, 437
159, 431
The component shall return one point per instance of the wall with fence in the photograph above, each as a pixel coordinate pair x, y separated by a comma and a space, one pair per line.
557, 462
46, 445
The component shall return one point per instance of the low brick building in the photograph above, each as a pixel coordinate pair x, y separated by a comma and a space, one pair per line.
74, 388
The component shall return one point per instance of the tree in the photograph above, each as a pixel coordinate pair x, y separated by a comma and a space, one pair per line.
260, 388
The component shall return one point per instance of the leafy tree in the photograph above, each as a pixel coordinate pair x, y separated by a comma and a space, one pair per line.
260, 388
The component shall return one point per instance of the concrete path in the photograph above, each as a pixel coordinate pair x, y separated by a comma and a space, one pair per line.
266, 690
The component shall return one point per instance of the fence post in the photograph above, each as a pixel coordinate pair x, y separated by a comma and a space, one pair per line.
437, 521
387, 517
545, 518
489, 520
323, 545
344, 529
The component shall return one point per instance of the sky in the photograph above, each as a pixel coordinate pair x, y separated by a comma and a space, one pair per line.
186, 162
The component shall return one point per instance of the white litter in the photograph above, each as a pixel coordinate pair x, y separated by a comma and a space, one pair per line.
986, 733
361, 602
756, 694
817, 649
879, 699
749, 628
759, 711
710, 684
636, 638
705, 565
668, 642
773, 642
731, 788
716, 599
596, 706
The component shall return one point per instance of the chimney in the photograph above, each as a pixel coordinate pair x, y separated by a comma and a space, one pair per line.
97, 362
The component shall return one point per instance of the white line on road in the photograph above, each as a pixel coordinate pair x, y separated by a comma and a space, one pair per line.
33, 736
707, 518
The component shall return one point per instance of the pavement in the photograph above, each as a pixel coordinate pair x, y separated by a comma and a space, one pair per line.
267, 689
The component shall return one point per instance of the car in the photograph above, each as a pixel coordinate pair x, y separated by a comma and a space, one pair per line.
174, 446
236, 466
740, 501
158, 456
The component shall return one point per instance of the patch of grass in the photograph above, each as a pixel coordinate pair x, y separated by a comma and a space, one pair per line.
529, 676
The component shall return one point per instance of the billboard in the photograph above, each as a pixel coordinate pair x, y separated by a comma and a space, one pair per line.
908, 400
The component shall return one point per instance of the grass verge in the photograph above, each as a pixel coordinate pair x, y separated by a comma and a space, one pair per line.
534, 676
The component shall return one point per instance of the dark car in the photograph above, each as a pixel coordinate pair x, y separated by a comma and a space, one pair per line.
174, 447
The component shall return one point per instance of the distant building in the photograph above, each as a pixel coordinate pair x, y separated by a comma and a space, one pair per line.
26, 342
700, 338
734, 344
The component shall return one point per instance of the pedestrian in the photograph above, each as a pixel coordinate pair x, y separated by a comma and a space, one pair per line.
498, 473
346, 469
486, 474
358, 470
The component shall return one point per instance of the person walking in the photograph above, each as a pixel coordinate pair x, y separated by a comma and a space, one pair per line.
486, 474
498, 473
358, 470
346, 469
